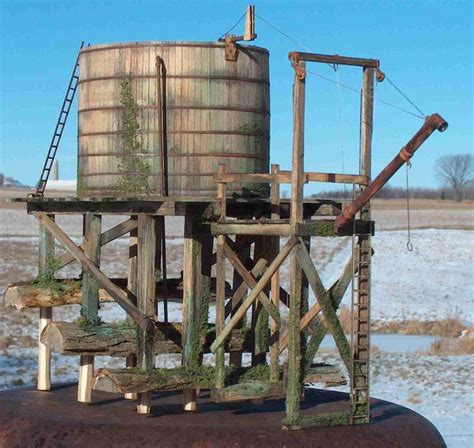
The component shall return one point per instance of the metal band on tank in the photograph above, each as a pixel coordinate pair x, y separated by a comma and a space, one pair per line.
167, 45
211, 78
245, 134
199, 154
223, 108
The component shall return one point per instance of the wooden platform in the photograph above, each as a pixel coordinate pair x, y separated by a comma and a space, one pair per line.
52, 419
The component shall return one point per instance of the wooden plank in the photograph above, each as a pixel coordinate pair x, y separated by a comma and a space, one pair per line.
90, 301
251, 281
146, 299
109, 235
325, 227
274, 266
333, 59
220, 311
46, 255
255, 390
337, 178
325, 304
119, 295
275, 281
250, 229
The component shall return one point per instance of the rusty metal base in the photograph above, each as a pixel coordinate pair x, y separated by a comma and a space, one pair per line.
56, 419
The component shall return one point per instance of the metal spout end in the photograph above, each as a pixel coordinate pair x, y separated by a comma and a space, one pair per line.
439, 122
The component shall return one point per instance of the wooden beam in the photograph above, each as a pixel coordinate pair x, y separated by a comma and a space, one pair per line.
119, 295
274, 266
250, 229
333, 59
255, 390
46, 255
90, 301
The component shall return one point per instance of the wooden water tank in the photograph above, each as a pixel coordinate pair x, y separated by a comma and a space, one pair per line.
159, 117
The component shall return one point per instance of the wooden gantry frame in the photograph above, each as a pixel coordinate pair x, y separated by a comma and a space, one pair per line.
255, 236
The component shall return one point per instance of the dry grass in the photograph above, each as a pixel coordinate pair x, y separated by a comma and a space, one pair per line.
453, 346
451, 327
415, 399
421, 204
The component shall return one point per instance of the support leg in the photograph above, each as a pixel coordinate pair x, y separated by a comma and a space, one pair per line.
146, 299
46, 255
131, 360
90, 301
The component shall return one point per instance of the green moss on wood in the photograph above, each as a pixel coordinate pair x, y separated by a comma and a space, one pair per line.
47, 280
134, 169
318, 420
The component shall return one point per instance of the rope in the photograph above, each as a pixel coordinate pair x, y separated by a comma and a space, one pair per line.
341, 134
404, 96
352, 89
409, 245
236, 23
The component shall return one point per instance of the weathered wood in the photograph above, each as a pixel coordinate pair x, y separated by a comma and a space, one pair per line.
317, 421
326, 228
293, 392
90, 301
324, 373
334, 59
69, 338
256, 228
264, 279
325, 304
119, 295
28, 294
336, 178
144, 382
250, 280
201, 130
106, 237
46, 255
242, 249
252, 390
131, 360
275, 281
318, 326
146, 245
220, 311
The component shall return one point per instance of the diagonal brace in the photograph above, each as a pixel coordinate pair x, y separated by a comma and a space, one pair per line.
250, 280
106, 237
118, 294
268, 274
325, 304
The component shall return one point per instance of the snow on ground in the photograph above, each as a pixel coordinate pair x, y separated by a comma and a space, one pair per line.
432, 282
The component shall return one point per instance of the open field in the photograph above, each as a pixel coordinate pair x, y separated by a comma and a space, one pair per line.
432, 283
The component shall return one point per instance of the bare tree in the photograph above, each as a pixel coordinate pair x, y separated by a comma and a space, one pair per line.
457, 172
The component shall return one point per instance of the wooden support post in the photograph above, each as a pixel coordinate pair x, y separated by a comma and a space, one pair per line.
46, 256
293, 391
195, 308
146, 299
235, 358
131, 360
260, 314
90, 301
220, 287
275, 281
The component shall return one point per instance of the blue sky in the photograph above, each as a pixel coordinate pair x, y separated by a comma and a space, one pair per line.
425, 47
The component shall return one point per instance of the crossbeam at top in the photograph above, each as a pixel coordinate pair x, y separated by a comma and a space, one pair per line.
333, 59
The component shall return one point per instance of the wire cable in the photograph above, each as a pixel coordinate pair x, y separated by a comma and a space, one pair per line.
404, 96
370, 96
236, 23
